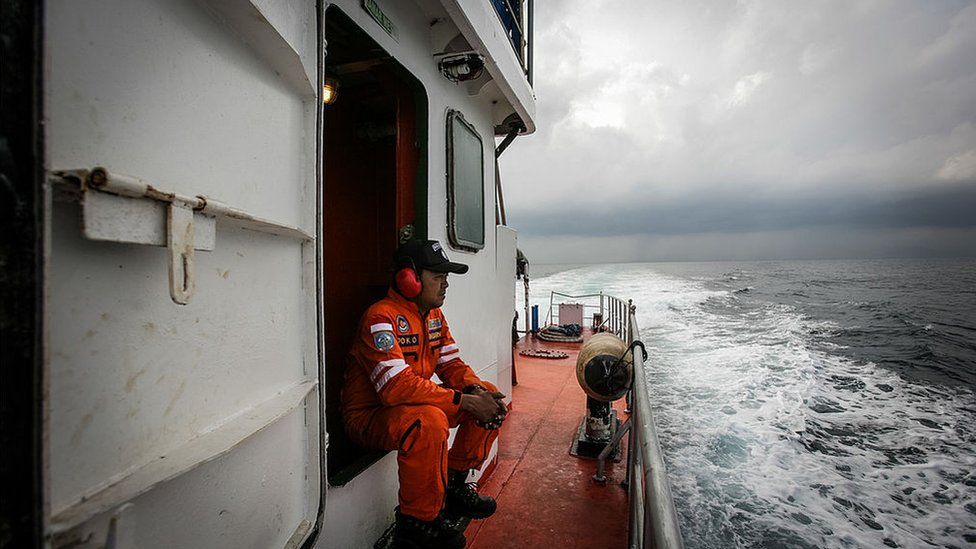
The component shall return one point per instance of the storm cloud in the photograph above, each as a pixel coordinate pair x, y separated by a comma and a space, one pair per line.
725, 212
669, 130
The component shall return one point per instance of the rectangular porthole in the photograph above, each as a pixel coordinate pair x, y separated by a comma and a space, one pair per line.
465, 184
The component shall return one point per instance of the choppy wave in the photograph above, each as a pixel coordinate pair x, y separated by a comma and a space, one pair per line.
778, 432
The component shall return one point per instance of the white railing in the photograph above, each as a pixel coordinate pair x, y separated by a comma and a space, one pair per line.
516, 18
653, 519
613, 312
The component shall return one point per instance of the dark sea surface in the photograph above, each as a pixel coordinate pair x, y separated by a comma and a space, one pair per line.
808, 403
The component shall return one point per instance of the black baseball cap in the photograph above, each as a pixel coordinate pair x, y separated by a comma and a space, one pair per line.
429, 255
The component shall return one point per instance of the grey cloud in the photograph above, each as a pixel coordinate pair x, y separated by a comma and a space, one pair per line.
803, 243
723, 212
748, 115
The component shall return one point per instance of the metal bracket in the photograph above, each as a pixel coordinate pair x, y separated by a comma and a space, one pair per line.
113, 218
614, 444
179, 245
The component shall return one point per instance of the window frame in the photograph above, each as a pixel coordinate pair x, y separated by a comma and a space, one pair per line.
452, 233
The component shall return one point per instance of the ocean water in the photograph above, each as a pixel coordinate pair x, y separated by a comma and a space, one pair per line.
808, 403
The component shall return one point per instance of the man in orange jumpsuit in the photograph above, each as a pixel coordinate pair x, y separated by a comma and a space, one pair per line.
389, 401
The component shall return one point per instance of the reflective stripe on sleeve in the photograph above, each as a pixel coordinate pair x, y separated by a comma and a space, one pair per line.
448, 348
384, 371
382, 327
382, 367
388, 374
448, 357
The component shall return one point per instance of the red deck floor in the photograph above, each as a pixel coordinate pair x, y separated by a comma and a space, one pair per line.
546, 497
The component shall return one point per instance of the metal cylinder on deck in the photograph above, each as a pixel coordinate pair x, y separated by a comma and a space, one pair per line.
604, 369
599, 371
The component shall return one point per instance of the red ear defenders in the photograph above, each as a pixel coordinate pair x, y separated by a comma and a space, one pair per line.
408, 281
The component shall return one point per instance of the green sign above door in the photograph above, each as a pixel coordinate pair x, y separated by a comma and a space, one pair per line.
373, 9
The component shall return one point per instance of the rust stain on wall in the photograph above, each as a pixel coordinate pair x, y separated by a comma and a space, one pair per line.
131, 382
80, 429
176, 396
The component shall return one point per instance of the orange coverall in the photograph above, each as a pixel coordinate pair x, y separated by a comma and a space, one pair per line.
389, 401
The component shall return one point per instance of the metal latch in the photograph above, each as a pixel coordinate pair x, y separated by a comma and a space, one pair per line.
179, 243
112, 215
182, 224
109, 213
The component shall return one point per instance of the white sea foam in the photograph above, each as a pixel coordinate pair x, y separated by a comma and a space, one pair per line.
771, 440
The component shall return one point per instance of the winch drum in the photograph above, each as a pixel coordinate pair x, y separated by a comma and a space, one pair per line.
599, 370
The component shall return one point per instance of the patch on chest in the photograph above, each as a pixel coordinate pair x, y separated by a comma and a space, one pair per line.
402, 325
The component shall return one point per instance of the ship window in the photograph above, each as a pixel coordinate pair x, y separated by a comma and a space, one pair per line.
465, 184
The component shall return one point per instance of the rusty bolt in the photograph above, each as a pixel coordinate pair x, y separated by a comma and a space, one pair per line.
98, 177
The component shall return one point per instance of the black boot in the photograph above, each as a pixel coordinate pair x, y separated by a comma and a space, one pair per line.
463, 500
413, 533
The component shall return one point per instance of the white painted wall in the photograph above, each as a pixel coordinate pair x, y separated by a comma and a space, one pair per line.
170, 92
135, 375
155, 89
358, 513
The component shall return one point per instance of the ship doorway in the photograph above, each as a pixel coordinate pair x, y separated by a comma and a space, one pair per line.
374, 187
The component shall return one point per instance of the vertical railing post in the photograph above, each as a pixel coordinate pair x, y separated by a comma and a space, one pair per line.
549, 316
616, 318
631, 311
613, 316
602, 318
620, 319
617, 306
530, 32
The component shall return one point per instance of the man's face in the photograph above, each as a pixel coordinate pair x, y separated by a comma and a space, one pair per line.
434, 291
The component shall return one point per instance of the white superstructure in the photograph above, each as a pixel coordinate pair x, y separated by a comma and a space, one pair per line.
187, 355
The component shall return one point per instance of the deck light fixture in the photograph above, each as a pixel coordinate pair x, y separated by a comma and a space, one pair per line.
330, 91
462, 67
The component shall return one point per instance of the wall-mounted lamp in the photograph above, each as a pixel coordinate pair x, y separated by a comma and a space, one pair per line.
330, 91
462, 67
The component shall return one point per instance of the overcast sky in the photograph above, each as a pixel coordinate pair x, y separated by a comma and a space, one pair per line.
708, 129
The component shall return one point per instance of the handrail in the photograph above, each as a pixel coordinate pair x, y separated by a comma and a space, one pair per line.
511, 9
613, 311
653, 519
517, 19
